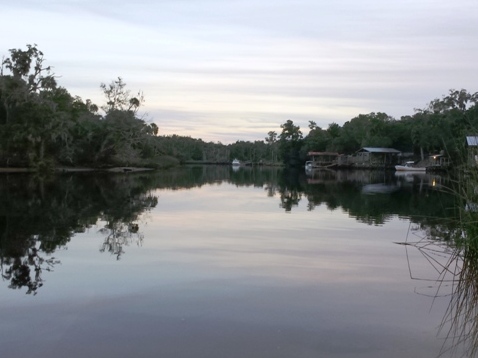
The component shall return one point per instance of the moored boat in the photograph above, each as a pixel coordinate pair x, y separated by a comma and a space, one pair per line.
410, 167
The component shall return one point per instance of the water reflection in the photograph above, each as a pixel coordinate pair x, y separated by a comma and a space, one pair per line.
453, 273
117, 235
39, 217
374, 197
450, 248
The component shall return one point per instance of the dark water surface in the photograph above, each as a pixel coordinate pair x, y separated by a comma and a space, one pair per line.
210, 262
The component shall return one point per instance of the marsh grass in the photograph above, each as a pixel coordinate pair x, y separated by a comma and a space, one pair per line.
451, 250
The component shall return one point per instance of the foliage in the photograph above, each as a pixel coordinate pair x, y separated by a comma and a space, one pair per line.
290, 143
119, 98
441, 127
42, 125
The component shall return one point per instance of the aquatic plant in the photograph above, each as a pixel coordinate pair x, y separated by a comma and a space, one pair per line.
451, 249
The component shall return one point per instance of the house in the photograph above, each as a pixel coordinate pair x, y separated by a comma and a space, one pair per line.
438, 161
373, 157
472, 148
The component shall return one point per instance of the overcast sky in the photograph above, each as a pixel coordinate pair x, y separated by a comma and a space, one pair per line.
227, 70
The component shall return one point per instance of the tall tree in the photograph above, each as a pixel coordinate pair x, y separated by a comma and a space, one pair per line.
290, 142
317, 139
119, 98
27, 76
32, 120
271, 141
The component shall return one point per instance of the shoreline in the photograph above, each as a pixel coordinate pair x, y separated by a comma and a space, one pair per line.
73, 170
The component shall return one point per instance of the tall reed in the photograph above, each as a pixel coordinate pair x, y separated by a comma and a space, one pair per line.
452, 249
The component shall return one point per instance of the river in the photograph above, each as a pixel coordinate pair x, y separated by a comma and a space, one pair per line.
221, 262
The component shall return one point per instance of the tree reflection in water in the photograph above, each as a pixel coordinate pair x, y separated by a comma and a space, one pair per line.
26, 271
40, 215
446, 237
117, 235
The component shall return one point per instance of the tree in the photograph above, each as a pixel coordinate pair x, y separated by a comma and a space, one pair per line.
27, 77
290, 142
127, 139
119, 98
336, 139
32, 118
317, 140
431, 127
461, 100
271, 141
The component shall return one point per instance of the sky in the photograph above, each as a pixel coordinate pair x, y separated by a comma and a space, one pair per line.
229, 70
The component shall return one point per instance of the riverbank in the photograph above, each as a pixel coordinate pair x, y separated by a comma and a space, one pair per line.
71, 170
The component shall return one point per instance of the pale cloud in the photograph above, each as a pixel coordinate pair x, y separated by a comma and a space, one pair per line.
227, 71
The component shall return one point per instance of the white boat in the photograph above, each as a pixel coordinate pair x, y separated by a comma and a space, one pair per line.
410, 167
236, 163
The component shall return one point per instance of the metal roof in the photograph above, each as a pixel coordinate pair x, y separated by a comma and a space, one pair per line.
378, 150
323, 153
472, 140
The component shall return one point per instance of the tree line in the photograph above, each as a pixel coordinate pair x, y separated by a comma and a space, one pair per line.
441, 126
42, 126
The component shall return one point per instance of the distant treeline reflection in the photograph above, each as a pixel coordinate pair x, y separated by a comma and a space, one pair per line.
38, 216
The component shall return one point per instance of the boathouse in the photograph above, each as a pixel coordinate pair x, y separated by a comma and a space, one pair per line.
322, 160
472, 148
373, 157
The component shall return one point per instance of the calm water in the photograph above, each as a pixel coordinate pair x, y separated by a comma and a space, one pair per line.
210, 262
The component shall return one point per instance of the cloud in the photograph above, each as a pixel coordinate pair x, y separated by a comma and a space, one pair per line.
222, 66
